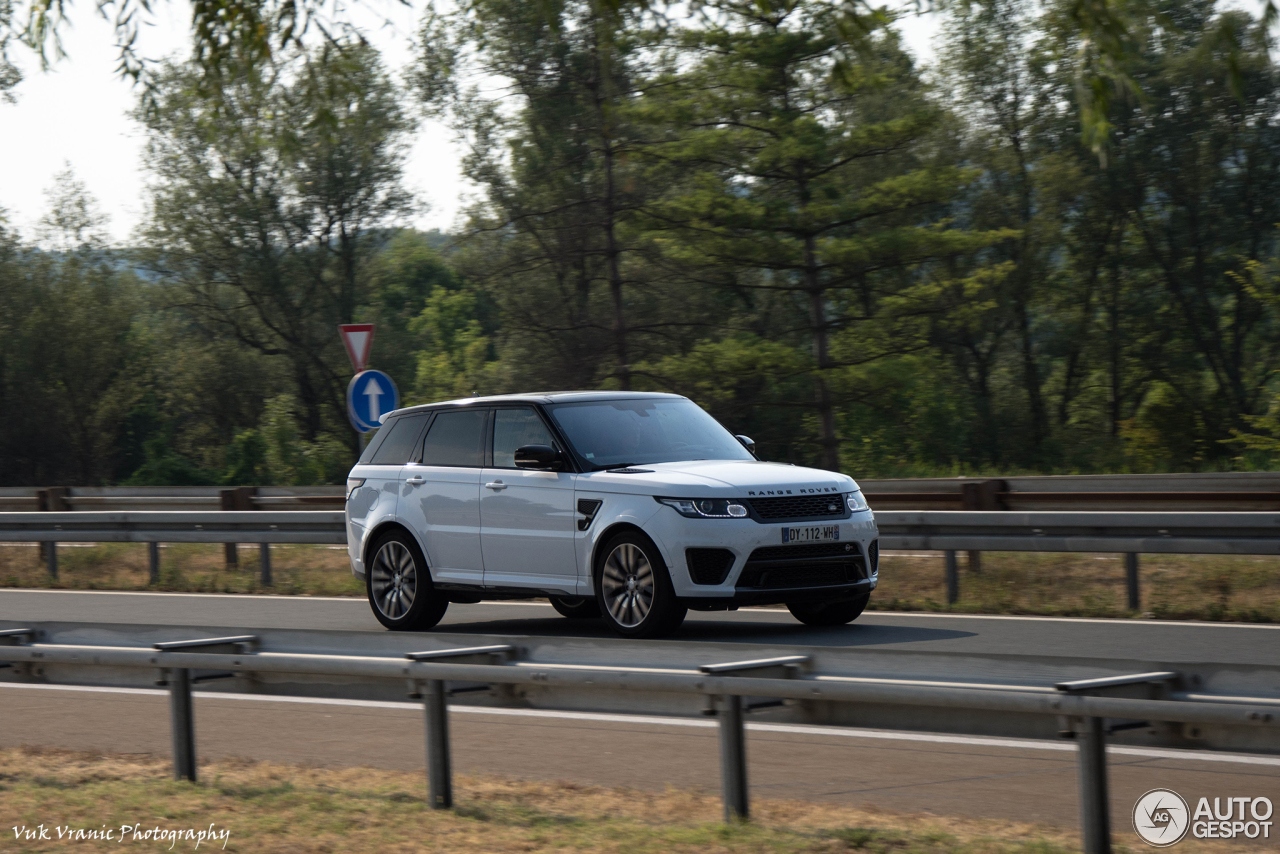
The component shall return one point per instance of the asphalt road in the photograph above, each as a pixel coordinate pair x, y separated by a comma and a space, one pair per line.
904, 772
1071, 638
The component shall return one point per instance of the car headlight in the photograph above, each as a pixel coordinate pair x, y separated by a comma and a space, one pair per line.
353, 483
706, 508
857, 502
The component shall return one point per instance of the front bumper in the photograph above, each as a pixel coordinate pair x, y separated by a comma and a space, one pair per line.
761, 572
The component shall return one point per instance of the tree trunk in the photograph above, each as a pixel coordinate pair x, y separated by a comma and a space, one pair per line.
829, 439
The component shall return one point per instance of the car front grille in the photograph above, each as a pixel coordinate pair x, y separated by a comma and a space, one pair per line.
708, 566
817, 565
800, 507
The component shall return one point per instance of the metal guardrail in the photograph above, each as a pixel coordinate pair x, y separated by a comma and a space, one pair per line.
1083, 706
1149, 492
1128, 533
158, 526
192, 498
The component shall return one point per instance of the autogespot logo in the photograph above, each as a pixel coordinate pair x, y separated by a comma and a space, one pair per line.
1161, 818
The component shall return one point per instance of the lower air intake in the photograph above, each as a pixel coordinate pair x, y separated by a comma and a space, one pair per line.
709, 566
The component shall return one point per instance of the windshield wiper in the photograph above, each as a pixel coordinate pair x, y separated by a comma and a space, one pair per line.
613, 466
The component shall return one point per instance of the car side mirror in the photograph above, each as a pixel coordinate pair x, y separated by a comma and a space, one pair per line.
538, 457
747, 443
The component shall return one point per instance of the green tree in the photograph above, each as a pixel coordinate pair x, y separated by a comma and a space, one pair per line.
268, 203
822, 187
66, 347
554, 242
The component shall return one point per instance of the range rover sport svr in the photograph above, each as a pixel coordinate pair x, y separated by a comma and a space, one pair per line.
628, 506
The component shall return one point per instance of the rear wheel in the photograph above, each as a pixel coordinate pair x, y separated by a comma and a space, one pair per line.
399, 586
575, 609
829, 613
633, 588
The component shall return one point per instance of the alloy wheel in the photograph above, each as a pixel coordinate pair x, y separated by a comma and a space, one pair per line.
394, 580
627, 585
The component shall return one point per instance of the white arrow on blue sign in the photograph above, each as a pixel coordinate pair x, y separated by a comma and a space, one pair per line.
370, 395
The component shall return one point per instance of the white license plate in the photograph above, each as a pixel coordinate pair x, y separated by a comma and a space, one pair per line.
811, 534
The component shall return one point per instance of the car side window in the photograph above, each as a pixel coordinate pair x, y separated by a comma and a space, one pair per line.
456, 438
398, 447
513, 428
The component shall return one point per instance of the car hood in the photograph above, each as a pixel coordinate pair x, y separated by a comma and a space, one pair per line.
718, 479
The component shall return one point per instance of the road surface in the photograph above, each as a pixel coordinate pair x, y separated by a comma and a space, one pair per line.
979, 635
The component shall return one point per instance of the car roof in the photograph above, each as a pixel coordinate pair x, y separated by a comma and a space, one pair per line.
536, 397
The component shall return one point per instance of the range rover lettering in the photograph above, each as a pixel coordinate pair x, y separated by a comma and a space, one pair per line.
632, 507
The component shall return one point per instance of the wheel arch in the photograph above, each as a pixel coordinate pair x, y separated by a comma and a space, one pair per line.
608, 534
382, 529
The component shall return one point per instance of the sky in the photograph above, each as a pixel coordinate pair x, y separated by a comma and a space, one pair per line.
76, 115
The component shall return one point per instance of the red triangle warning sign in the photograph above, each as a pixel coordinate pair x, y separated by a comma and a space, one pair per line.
357, 338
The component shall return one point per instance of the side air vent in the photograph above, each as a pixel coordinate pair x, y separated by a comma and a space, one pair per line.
708, 566
873, 556
588, 507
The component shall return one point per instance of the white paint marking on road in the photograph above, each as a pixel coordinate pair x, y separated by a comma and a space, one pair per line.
696, 723
1196, 623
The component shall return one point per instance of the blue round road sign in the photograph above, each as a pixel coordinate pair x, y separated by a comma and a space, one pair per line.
370, 394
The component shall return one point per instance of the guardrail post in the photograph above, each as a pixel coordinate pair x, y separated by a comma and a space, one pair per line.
733, 758
265, 551
240, 498
153, 562
1095, 812
52, 500
435, 701
953, 578
439, 771
729, 708
181, 715
182, 721
1131, 580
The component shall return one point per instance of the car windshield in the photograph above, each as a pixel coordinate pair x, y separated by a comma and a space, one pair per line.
612, 433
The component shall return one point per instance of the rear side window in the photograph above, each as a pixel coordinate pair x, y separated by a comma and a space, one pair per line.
456, 438
397, 449
375, 442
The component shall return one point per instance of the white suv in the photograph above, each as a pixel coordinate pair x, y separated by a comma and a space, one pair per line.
629, 506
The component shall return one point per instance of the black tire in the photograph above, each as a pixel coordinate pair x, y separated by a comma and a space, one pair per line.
398, 584
633, 588
829, 613
575, 608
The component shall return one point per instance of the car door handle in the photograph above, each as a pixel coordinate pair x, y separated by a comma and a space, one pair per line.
416, 480
497, 484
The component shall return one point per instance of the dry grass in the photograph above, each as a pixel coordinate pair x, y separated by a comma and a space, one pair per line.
1181, 587
1174, 587
286, 808
188, 568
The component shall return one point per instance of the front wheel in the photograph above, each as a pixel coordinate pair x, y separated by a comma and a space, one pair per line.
399, 587
633, 588
575, 608
829, 613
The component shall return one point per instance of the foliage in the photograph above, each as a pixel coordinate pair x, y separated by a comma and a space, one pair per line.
858, 262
